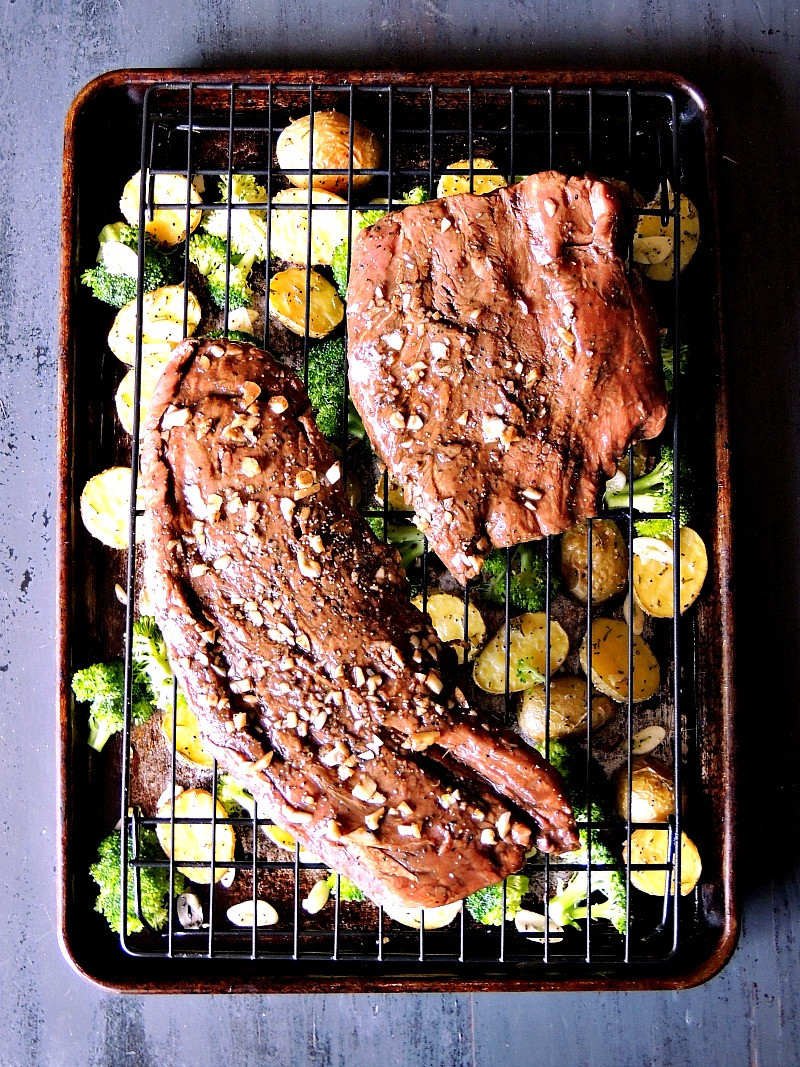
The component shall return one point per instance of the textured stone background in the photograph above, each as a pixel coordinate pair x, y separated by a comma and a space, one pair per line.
744, 54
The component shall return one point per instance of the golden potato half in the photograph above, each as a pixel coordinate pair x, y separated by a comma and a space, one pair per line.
652, 846
193, 840
654, 575
527, 654
105, 506
480, 183
168, 225
609, 560
447, 615
331, 151
289, 225
289, 295
610, 662
652, 790
188, 746
567, 709
654, 243
162, 325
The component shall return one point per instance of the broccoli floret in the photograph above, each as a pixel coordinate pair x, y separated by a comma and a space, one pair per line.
347, 890
235, 335
486, 906
103, 686
235, 798
569, 905
417, 195
114, 279
327, 367
408, 539
654, 492
527, 674
150, 655
668, 361
210, 255
339, 267
248, 234
153, 884
528, 582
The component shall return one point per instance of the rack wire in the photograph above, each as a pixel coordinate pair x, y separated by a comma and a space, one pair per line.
213, 131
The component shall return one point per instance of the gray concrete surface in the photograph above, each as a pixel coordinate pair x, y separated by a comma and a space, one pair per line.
744, 53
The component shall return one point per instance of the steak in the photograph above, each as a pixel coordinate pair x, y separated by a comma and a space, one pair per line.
501, 359
314, 679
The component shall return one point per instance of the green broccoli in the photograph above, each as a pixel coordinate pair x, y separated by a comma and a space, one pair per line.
570, 902
103, 686
150, 656
653, 492
668, 362
235, 798
153, 885
347, 890
528, 582
235, 335
486, 906
248, 230
327, 368
417, 195
527, 674
114, 279
210, 255
407, 538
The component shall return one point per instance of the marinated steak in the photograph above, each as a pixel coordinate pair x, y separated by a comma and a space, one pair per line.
314, 679
501, 359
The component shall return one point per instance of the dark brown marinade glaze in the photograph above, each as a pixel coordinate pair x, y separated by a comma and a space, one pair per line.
502, 359
314, 679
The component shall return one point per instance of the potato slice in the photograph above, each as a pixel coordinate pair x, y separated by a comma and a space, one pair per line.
654, 243
567, 709
188, 746
447, 615
652, 846
652, 790
610, 662
151, 372
105, 506
433, 918
162, 325
331, 139
193, 841
289, 226
481, 183
609, 560
287, 302
527, 658
168, 225
653, 578
283, 839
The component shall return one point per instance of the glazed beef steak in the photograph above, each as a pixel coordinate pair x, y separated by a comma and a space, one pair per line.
314, 679
501, 359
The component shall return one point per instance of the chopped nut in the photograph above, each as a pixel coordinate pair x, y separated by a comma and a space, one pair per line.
287, 508
334, 830
567, 336
320, 719
393, 341
358, 676
421, 740
333, 474
297, 816
241, 685
360, 836
240, 720
463, 418
503, 823
365, 789
531, 494
175, 417
250, 391
278, 404
550, 207
409, 830
309, 568
415, 423
434, 682
445, 225
315, 541
397, 420
290, 722
223, 561
250, 466
264, 762
344, 772
304, 479
438, 350
492, 427
373, 820
301, 494
488, 837
404, 809
197, 570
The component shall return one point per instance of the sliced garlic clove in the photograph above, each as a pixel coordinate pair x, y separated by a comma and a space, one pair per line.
317, 898
190, 911
646, 740
247, 913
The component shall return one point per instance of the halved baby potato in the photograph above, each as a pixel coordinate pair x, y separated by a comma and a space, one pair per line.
610, 662
193, 841
432, 918
481, 183
609, 561
654, 243
652, 846
105, 506
653, 577
287, 302
527, 654
162, 325
188, 746
447, 615
168, 225
567, 709
151, 372
289, 225
331, 151
652, 790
